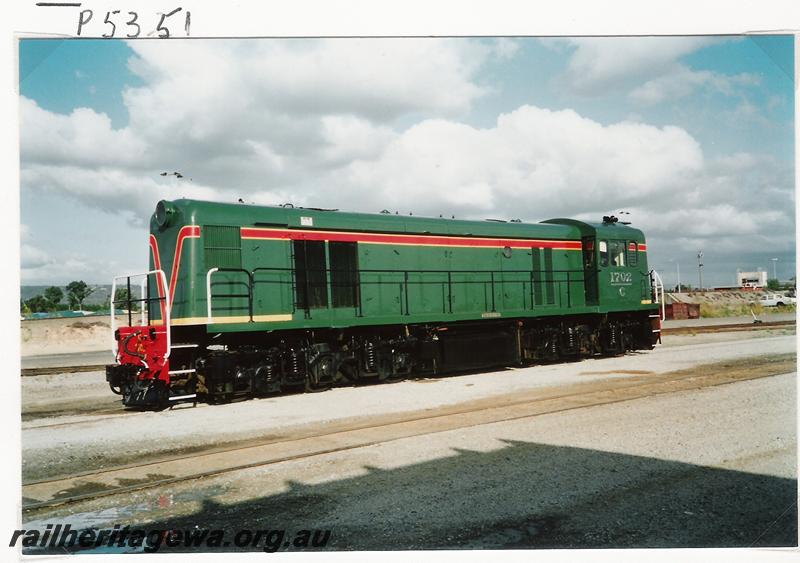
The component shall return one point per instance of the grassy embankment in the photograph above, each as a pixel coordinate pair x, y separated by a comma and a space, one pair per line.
708, 310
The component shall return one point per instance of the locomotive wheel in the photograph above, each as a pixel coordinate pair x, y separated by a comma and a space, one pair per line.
348, 373
396, 378
386, 373
321, 374
219, 398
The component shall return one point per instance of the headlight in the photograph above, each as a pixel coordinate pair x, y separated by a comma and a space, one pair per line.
165, 211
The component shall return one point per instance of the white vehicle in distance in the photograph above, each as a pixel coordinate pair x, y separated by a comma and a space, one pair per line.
775, 300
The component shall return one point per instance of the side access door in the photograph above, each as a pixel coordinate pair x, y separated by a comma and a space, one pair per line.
590, 277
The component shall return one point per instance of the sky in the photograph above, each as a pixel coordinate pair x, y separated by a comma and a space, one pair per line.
691, 137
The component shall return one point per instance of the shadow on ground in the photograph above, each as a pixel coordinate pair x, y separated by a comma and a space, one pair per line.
523, 495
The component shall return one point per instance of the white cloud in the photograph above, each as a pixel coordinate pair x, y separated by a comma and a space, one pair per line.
247, 118
721, 220
681, 81
647, 68
61, 270
505, 48
602, 64
739, 205
34, 257
348, 137
111, 189
83, 138
39, 266
534, 162
376, 78
325, 123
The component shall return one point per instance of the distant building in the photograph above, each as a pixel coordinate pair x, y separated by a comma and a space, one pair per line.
751, 279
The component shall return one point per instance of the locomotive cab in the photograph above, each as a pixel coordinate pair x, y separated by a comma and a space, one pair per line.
617, 276
622, 273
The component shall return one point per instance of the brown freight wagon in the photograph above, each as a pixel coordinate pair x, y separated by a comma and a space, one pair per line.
680, 311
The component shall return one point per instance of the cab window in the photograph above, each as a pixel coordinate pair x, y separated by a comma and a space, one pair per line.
617, 252
633, 253
603, 253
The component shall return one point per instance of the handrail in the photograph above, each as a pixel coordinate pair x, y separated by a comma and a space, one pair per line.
553, 287
560, 280
143, 300
659, 287
556, 280
410, 271
249, 295
166, 319
208, 291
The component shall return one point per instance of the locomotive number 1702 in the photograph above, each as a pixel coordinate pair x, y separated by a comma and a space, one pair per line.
620, 278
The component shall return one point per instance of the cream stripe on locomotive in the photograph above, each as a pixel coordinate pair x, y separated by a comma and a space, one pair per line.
226, 320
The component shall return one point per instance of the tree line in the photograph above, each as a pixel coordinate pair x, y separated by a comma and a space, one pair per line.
52, 299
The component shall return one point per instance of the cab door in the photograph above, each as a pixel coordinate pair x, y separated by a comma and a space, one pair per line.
590, 270
620, 280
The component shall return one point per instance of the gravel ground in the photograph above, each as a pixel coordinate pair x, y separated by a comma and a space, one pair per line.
97, 441
712, 467
671, 340
47, 393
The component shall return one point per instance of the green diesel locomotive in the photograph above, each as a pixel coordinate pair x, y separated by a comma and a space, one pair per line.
242, 300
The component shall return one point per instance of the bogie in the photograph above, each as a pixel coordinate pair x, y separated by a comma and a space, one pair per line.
401, 352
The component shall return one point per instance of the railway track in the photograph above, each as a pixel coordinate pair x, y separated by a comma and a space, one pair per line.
97, 415
763, 325
61, 369
674, 330
346, 435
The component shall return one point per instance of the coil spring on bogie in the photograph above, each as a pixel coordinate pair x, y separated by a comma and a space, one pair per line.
571, 338
613, 335
269, 370
370, 359
295, 366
